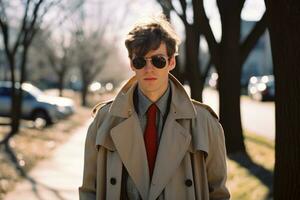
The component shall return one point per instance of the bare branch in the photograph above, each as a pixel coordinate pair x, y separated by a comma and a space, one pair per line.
2, 11
4, 28
207, 31
52, 59
181, 16
32, 28
99, 68
102, 30
207, 68
183, 6
22, 29
35, 14
46, 9
252, 38
166, 6
65, 17
169, 5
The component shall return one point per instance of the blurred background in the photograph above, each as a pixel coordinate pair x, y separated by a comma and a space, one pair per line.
59, 58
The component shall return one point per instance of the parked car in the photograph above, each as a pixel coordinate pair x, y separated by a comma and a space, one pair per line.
262, 88
35, 104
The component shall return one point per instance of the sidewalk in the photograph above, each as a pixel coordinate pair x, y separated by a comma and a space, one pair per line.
57, 177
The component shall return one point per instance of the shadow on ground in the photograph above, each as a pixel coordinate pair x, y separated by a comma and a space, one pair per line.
34, 184
261, 173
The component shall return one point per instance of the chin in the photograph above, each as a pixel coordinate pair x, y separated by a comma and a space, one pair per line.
149, 88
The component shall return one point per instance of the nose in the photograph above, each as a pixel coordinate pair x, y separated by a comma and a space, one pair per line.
148, 66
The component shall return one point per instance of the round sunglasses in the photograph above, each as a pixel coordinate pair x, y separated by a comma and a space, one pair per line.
157, 61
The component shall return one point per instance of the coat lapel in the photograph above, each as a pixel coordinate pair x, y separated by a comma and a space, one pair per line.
128, 139
174, 144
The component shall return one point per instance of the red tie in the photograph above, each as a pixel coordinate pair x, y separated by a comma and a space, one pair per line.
150, 137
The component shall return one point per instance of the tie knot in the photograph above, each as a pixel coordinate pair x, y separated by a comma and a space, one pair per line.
152, 111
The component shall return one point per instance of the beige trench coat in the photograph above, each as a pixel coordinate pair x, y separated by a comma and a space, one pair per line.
191, 159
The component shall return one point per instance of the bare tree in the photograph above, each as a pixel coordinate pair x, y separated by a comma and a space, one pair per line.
285, 42
91, 47
194, 75
33, 15
59, 56
91, 54
228, 56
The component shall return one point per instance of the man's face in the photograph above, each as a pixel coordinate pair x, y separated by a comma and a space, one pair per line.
153, 81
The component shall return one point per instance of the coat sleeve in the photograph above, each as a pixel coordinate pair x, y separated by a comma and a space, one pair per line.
216, 162
88, 189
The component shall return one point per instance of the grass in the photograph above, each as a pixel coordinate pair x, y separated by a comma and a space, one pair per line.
241, 181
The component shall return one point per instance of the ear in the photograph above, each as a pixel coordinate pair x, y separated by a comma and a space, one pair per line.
172, 63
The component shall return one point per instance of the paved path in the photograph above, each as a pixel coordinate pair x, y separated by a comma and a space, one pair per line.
56, 178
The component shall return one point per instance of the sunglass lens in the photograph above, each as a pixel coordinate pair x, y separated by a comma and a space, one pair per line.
159, 61
138, 62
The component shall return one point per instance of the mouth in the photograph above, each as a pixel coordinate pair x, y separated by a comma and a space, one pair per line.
150, 79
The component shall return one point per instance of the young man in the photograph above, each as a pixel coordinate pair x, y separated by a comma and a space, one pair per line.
154, 142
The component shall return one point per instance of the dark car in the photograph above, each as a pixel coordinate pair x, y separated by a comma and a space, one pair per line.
262, 88
35, 104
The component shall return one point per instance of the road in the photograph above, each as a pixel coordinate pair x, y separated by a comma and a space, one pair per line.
257, 117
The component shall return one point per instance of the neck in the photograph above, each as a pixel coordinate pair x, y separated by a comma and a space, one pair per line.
154, 96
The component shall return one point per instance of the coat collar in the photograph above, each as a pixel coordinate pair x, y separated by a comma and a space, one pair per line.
123, 104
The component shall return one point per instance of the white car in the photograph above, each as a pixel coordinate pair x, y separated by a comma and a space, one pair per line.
35, 103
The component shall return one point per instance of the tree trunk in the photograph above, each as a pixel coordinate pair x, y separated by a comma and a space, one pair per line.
84, 92
61, 83
177, 72
285, 41
15, 100
192, 61
17, 108
229, 85
84, 96
23, 78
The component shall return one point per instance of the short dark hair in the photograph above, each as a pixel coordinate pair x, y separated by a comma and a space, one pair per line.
149, 34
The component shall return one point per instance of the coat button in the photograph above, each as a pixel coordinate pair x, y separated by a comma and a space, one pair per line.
113, 181
188, 182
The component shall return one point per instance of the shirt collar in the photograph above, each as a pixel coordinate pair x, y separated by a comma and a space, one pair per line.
144, 102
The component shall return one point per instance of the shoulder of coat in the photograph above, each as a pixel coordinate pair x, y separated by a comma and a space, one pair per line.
100, 105
207, 107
